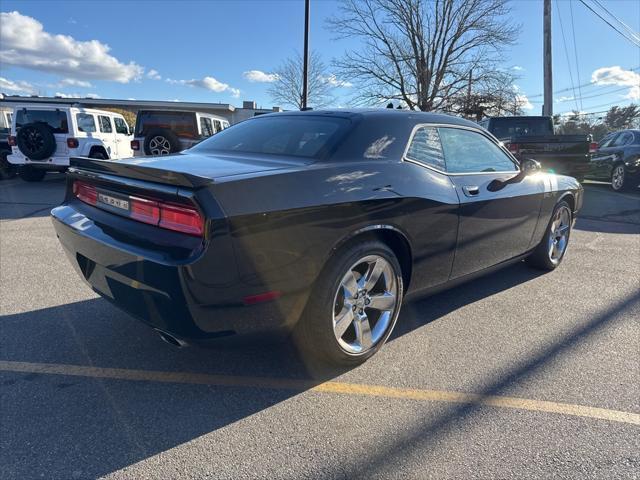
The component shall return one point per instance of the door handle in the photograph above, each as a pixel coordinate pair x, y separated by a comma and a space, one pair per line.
471, 190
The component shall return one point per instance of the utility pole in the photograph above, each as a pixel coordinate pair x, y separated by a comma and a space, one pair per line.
547, 107
305, 67
468, 109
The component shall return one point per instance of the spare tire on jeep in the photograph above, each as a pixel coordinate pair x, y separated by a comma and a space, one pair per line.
36, 141
161, 141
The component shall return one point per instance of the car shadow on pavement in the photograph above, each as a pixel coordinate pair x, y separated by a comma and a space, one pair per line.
20, 199
57, 425
607, 211
423, 436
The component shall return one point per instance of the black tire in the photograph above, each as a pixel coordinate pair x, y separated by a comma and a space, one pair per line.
170, 142
36, 141
7, 170
98, 155
542, 257
314, 333
620, 181
30, 174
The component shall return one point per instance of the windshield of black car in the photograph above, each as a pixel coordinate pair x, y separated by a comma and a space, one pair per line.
513, 127
56, 119
293, 135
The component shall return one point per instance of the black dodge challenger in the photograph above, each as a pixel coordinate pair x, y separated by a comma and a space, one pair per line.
317, 224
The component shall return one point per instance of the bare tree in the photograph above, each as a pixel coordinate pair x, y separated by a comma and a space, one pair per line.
420, 51
287, 88
495, 94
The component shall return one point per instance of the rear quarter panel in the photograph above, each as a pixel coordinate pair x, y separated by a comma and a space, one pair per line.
285, 226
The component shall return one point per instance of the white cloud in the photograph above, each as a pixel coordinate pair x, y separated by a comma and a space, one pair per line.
9, 86
154, 75
259, 76
24, 43
517, 68
75, 83
208, 83
618, 76
564, 99
334, 82
77, 95
524, 102
634, 93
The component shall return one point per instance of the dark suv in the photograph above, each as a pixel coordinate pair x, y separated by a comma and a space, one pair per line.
161, 132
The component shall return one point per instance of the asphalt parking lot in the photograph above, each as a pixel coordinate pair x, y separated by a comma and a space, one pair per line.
517, 375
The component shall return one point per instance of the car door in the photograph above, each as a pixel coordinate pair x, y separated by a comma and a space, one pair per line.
499, 206
107, 135
601, 159
123, 139
616, 152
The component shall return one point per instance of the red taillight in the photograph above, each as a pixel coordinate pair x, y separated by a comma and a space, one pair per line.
513, 148
593, 147
72, 142
11, 140
181, 219
85, 192
135, 144
144, 210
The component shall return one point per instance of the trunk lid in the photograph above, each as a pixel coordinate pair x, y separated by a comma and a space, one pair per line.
183, 169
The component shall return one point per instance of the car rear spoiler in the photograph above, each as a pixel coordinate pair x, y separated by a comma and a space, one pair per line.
134, 168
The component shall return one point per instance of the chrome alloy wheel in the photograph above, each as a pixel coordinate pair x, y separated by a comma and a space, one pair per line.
159, 145
617, 177
365, 304
559, 234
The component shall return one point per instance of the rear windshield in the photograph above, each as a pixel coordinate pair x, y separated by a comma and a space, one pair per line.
182, 124
511, 127
295, 136
56, 119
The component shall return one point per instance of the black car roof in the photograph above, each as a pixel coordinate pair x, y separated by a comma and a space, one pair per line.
382, 113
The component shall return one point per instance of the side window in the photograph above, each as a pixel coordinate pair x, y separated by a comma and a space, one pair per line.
105, 124
467, 151
608, 140
121, 126
217, 126
426, 148
9, 118
623, 139
225, 125
205, 127
86, 122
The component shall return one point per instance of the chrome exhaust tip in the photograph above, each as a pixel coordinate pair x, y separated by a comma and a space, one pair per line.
170, 339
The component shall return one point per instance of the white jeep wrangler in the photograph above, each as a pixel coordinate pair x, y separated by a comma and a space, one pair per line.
44, 137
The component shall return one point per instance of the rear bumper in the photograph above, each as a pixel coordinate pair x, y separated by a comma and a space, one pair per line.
175, 296
53, 163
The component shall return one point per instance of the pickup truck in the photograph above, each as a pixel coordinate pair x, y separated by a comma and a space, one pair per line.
533, 137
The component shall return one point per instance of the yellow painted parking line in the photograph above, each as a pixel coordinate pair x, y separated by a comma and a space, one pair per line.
326, 387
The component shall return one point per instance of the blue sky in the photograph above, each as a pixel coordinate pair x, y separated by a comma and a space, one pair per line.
200, 50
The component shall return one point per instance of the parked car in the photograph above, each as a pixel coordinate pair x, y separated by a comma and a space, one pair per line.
617, 160
45, 137
6, 169
534, 137
319, 223
161, 132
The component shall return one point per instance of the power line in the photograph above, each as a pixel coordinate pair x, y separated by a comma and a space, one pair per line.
633, 33
631, 39
584, 85
596, 106
566, 53
575, 51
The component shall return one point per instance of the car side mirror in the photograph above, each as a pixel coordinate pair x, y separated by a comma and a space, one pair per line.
530, 166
